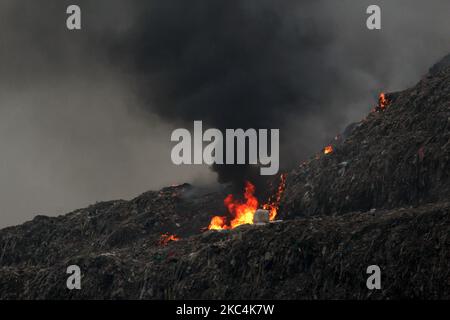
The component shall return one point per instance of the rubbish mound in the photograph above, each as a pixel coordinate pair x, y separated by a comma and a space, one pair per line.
379, 195
397, 156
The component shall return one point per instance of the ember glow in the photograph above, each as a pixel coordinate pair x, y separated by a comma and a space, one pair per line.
166, 238
328, 149
242, 211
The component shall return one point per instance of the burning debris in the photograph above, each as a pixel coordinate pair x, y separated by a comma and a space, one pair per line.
244, 212
383, 103
166, 238
217, 223
274, 201
328, 149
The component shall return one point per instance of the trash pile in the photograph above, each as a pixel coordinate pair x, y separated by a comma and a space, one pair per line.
396, 156
379, 195
320, 257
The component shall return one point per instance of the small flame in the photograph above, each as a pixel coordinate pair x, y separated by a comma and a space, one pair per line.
166, 238
382, 101
243, 211
218, 223
328, 149
274, 202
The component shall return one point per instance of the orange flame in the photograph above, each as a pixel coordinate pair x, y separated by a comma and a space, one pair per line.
274, 202
382, 101
328, 149
218, 223
166, 238
242, 212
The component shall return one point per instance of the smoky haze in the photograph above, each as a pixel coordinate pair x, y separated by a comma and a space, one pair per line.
86, 116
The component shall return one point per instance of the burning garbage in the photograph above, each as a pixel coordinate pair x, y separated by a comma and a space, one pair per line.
274, 201
328, 150
383, 103
247, 211
166, 238
241, 211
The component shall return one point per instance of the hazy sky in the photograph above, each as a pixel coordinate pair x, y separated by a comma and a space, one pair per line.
86, 116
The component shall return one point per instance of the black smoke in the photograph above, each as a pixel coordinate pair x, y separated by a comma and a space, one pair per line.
232, 64
300, 66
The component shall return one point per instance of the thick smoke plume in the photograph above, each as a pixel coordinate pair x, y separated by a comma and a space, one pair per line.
258, 64
232, 64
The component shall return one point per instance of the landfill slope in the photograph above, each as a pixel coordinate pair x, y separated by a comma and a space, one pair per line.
399, 156
310, 258
380, 198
